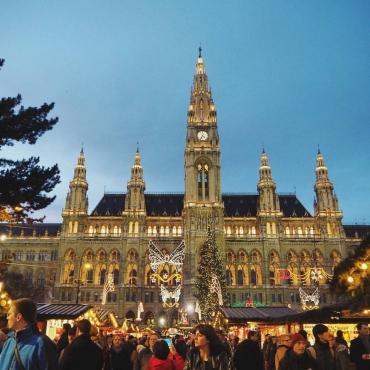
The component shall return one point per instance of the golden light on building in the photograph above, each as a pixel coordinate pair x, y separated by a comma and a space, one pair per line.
350, 279
363, 266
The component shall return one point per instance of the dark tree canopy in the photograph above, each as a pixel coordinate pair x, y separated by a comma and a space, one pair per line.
356, 266
24, 184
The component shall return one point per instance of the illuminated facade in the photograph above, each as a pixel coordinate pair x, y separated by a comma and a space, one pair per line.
270, 242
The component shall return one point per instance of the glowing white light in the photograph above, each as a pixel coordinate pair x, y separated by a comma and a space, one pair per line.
3, 237
190, 308
162, 321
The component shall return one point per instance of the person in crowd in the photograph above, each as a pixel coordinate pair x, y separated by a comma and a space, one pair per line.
248, 354
160, 359
72, 333
225, 343
321, 351
340, 338
271, 353
24, 348
117, 358
178, 352
141, 345
234, 343
3, 338
284, 342
208, 352
82, 353
129, 345
146, 353
296, 357
305, 336
63, 340
360, 348
265, 349
340, 353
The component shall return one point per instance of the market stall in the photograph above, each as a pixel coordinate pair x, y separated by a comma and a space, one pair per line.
52, 316
238, 321
336, 317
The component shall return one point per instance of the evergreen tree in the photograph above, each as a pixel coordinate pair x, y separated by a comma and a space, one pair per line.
24, 184
356, 267
210, 263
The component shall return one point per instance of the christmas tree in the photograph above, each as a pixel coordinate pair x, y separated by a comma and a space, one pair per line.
210, 271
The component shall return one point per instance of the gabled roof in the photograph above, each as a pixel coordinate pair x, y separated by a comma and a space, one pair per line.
265, 314
47, 311
356, 231
171, 204
39, 230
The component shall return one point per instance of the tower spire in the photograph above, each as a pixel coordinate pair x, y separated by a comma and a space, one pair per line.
268, 200
201, 108
76, 202
327, 202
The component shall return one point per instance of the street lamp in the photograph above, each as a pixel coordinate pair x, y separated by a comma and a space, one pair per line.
87, 266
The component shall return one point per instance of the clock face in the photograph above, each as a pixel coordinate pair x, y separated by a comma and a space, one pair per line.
202, 135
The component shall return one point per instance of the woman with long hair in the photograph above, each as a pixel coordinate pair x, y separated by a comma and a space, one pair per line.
208, 352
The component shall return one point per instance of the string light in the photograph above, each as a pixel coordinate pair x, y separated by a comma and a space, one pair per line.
350, 279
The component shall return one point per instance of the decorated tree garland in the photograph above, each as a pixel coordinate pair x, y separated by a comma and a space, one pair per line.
211, 281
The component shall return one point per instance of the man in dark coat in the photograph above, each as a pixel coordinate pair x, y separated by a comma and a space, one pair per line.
82, 353
248, 354
321, 351
360, 348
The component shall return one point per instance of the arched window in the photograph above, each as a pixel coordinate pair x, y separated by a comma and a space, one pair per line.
116, 276
75, 227
102, 276
240, 278
203, 181
91, 230
133, 277
268, 228
150, 231
253, 276
179, 230
136, 228
287, 231
229, 278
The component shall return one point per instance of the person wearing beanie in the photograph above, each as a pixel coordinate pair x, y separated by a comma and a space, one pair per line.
321, 351
296, 358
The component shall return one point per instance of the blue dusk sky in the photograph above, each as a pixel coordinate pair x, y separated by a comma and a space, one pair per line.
285, 74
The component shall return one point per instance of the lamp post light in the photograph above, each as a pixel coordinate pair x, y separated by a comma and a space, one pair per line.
87, 267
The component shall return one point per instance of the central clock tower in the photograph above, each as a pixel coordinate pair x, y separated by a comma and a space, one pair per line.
203, 206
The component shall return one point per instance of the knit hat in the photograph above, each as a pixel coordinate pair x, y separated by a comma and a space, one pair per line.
297, 338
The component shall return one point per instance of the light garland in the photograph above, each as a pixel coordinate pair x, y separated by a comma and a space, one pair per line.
168, 296
175, 259
313, 297
215, 287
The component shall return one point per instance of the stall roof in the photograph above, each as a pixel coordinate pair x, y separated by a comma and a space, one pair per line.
47, 311
256, 314
338, 312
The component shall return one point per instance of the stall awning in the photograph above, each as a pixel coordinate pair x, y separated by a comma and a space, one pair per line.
329, 314
260, 314
48, 311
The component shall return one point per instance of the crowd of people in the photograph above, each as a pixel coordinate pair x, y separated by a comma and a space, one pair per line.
23, 347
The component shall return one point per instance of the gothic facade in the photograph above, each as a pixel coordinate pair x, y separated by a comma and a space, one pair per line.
260, 236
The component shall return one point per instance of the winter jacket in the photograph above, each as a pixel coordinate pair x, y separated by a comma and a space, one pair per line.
31, 350
216, 362
323, 355
142, 359
356, 350
279, 354
155, 363
292, 361
117, 360
177, 360
62, 343
81, 354
248, 355
341, 357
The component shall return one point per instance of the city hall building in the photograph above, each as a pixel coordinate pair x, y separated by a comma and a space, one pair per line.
270, 243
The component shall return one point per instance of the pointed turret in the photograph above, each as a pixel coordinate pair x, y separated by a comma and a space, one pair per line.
134, 201
201, 108
76, 201
268, 200
326, 200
